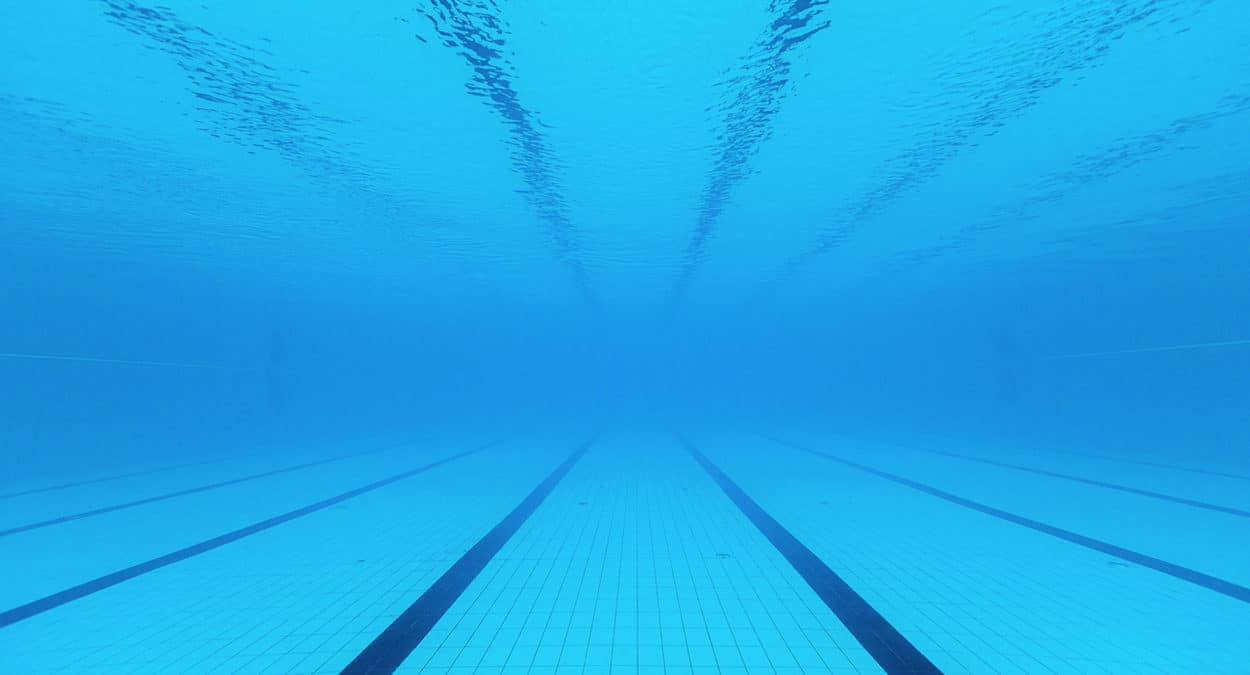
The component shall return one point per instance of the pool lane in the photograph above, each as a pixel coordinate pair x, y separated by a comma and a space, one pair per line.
1216, 584
1120, 487
638, 563
104, 492
396, 642
977, 594
292, 597
1211, 485
95, 480
892, 651
205, 487
1170, 466
1166, 534
86, 588
41, 563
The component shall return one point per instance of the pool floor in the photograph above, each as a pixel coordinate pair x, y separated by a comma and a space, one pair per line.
634, 550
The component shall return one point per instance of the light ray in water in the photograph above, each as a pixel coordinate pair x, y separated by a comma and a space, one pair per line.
129, 362
1168, 348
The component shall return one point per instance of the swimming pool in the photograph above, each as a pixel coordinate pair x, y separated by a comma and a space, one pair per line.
485, 336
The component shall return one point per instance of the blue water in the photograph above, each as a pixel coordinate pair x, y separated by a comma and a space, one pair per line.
489, 336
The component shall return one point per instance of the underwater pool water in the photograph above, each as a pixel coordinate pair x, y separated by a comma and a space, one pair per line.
749, 336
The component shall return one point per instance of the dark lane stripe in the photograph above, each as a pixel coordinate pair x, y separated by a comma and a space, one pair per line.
1222, 586
1158, 465
1065, 451
105, 479
22, 612
179, 493
893, 652
1090, 481
389, 649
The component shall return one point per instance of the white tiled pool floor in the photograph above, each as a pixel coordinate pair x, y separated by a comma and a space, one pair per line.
635, 562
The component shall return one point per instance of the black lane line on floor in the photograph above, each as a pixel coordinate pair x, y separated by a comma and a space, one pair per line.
389, 649
22, 612
1221, 586
132, 474
1089, 481
893, 652
180, 493
1077, 453
105, 479
1158, 465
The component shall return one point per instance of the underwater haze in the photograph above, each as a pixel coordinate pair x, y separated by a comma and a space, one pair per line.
648, 336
